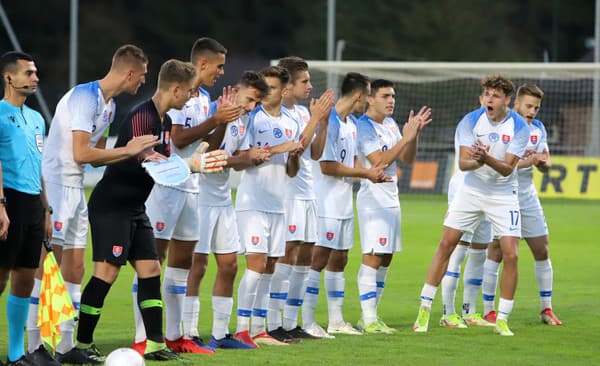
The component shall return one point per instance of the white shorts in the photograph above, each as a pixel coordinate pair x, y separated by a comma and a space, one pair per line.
380, 230
335, 234
469, 207
262, 232
70, 216
173, 213
533, 221
301, 217
218, 230
483, 233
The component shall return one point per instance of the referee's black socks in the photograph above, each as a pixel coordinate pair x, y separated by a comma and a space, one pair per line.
151, 307
92, 300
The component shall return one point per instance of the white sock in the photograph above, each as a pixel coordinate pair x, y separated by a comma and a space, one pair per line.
427, 295
473, 277
490, 281
278, 292
313, 282
174, 287
191, 312
33, 332
259, 309
504, 308
334, 285
450, 279
367, 290
544, 275
295, 296
381, 277
246, 297
221, 313
68, 328
140, 331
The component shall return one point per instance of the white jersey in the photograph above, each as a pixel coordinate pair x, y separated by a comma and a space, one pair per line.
81, 109
458, 177
335, 193
508, 136
262, 187
538, 142
301, 186
195, 111
215, 189
374, 136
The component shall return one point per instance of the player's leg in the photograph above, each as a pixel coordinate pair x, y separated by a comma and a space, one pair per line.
191, 306
450, 281
367, 289
491, 268
225, 245
473, 276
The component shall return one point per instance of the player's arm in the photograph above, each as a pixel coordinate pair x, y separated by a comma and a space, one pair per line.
466, 160
243, 159
505, 167
411, 131
47, 213
215, 138
83, 153
318, 143
542, 161
4, 221
227, 111
336, 169
319, 113
292, 164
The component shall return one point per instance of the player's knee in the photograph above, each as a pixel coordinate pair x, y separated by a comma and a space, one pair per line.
228, 270
510, 258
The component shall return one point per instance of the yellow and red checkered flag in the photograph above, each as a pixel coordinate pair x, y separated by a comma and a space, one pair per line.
55, 305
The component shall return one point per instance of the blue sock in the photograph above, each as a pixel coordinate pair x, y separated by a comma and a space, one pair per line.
16, 312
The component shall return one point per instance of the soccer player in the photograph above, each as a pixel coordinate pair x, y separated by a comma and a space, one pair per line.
380, 143
22, 197
260, 205
335, 234
121, 230
78, 136
217, 224
492, 139
174, 211
533, 222
301, 206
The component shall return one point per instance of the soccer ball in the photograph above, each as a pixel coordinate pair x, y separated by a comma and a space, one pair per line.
124, 357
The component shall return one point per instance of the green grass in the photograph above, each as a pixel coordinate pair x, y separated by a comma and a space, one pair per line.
574, 252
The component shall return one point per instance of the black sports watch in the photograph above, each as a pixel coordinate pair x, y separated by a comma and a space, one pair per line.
3, 201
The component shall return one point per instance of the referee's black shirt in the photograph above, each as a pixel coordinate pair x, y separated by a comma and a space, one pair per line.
126, 185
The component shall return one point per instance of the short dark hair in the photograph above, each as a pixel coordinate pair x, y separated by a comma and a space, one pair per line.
128, 55
203, 45
294, 65
380, 83
276, 72
498, 82
175, 71
353, 82
9, 60
252, 79
531, 90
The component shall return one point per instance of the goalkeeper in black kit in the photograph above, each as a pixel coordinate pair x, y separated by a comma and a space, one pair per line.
121, 230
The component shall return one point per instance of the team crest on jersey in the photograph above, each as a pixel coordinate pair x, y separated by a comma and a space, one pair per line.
288, 132
234, 130
353, 135
305, 118
505, 139
534, 139
382, 241
117, 250
493, 137
242, 130
160, 226
58, 226
205, 109
277, 133
292, 228
329, 235
254, 240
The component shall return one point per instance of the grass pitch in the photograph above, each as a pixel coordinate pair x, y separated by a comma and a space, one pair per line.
574, 233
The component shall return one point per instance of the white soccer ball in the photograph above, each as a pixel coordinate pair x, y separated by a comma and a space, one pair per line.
124, 357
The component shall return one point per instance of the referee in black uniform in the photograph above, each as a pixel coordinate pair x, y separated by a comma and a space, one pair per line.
121, 230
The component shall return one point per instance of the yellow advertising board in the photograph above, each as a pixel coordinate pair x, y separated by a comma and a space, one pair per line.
570, 177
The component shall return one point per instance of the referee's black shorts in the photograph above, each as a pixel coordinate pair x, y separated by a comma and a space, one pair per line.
26, 230
120, 235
